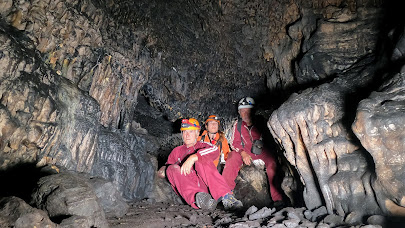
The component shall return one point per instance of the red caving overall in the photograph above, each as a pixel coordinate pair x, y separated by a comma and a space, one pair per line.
204, 176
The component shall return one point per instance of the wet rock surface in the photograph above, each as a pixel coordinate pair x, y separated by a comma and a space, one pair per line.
109, 197
338, 171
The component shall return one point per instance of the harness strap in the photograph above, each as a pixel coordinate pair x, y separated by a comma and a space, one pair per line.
239, 127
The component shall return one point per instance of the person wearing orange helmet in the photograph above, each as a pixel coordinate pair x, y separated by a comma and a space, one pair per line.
192, 173
213, 135
247, 147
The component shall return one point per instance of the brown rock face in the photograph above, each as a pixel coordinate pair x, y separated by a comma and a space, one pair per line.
71, 73
46, 119
379, 125
315, 129
332, 166
77, 41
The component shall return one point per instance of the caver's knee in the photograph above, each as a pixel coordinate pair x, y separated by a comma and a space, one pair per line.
172, 169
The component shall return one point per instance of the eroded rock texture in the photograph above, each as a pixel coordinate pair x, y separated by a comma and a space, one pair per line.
80, 43
380, 126
15, 212
72, 72
331, 164
65, 195
314, 126
47, 119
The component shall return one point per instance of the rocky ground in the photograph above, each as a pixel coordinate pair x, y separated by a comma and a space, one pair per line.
156, 215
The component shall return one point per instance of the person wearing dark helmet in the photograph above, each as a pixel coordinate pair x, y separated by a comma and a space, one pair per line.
192, 173
213, 135
247, 145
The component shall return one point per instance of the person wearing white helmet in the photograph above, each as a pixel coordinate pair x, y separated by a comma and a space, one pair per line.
247, 144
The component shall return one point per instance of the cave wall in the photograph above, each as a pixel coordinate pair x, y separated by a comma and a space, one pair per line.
63, 101
348, 168
95, 86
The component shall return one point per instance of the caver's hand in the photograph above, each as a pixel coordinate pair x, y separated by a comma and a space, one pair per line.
246, 158
188, 164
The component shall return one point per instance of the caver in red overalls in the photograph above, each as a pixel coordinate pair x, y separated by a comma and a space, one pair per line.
204, 176
234, 162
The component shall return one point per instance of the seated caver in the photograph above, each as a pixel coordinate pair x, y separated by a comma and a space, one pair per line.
246, 142
213, 135
192, 173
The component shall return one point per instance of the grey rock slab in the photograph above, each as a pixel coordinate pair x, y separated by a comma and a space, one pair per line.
333, 220
68, 194
75, 221
15, 212
247, 224
291, 223
109, 197
262, 213
251, 210
376, 220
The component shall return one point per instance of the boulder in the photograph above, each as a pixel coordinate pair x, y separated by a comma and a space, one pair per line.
252, 187
15, 212
109, 197
67, 194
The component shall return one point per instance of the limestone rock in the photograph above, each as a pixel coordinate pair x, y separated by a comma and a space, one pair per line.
262, 213
318, 142
15, 212
377, 220
109, 198
75, 221
163, 191
379, 125
65, 195
252, 187
45, 119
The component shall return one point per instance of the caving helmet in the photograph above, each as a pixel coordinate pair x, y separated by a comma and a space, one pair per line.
212, 118
190, 124
246, 102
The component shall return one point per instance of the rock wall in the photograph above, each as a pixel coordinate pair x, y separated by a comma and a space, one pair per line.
72, 72
81, 43
47, 119
379, 125
351, 169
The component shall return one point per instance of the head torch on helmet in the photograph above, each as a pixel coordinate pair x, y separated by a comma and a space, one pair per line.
246, 102
189, 124
212, 118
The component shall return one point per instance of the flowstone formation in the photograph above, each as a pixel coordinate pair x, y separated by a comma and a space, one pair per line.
379, 125
345, 143
331, 163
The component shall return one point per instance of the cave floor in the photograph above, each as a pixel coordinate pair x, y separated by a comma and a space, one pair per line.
156, 215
